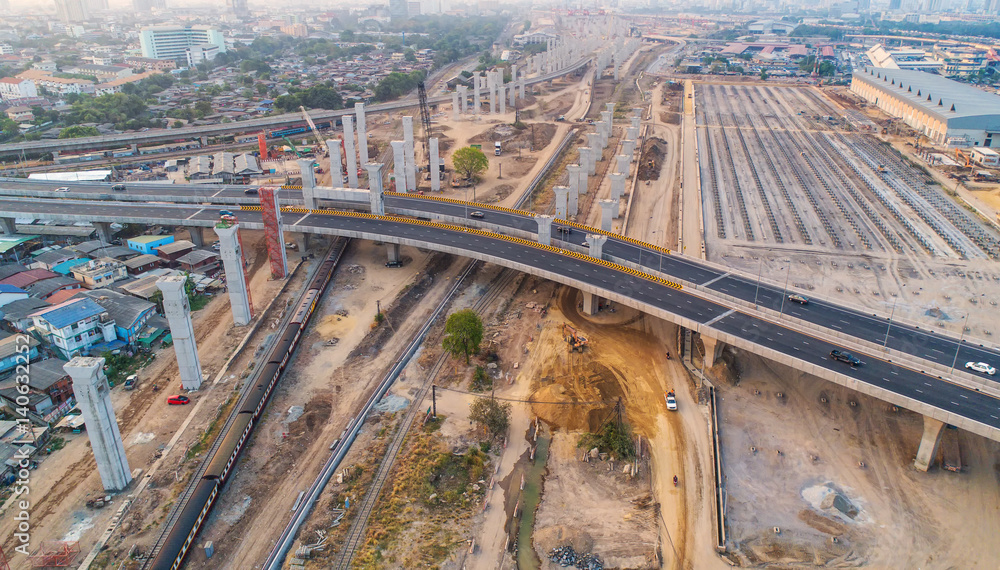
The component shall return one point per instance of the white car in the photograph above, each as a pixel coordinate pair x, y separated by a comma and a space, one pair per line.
62, 189
981, 367
671, 401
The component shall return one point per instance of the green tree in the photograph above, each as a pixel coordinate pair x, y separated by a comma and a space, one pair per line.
77, 131
469, 161
491, 415
763, 75
463, 333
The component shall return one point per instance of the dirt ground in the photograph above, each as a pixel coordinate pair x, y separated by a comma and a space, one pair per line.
67, 478
905, 519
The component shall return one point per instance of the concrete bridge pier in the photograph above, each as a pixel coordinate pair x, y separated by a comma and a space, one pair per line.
103, 231
590, 303
197, 235
55, 155
584, 182
336, 165
573, 172
359, 112
927, 452
392, 249
544, 229
308, 182
502, 90
596, 242
628, 147
623, 163
594, 140
635, 122
573, 205
609, 211
454, 106
8, 226
562, 197
178, 312
408, 145
713, 350
232, 263
632, 133
399, 165
435, 162
617, 185
584, 160
352, 157
376, 195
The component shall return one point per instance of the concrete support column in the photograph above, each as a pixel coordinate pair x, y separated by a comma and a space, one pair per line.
632, 133
590, 303
55, 155
596, 242
232, 263
588, 158
573, 172
713, 350
493, 99
463, 99
308, 182
375, 192
197, 235
544, 229
454, 106
8, 226
204, 141
562, 201
501, 91
635, 122
511, 92
628, 147
623, 163
175, 305
927, 454
609, 210
608, 117
573, 204
584, 183
411, 164
435, 165
302, 242
609, 107
359, 110
103, 231
477, 96
594, 140
392, 250
617, 185
399, 165
336, 165
90, 386
520, 87
352, 158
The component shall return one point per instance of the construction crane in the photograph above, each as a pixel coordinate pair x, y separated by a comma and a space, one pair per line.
573, 338
312, 125
425, 118
289, 143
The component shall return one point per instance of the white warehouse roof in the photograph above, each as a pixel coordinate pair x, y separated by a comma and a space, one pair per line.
960, 105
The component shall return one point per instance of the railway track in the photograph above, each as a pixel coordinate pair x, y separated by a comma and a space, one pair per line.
356, 534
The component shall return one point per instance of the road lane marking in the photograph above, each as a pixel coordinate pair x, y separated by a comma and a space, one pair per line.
722, 316
707, 283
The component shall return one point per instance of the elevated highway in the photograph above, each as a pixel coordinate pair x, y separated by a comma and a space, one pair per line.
155, 136
709, 300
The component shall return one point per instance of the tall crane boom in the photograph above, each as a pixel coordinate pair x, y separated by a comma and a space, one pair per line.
425, 118
312, 125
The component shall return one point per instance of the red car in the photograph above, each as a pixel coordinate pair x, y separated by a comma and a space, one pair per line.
178, 400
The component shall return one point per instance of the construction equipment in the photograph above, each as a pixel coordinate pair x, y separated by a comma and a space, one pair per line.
961, 155
425, 119
312, 125
573, 338
292, 146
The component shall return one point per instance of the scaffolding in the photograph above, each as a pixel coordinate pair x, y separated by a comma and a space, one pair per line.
272, 231
55, 554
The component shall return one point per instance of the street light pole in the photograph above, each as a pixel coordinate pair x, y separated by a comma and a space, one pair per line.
888, 328
759, 269
784, 290
960, 339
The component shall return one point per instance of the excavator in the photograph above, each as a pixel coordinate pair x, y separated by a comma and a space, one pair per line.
574, 339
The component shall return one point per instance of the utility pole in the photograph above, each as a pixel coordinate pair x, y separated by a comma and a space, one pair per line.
434, 401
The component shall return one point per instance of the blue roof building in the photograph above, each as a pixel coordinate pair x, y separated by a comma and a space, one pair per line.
10, 293
66, 267
71, 328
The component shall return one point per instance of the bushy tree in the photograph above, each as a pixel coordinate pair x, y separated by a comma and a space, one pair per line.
463, 334
77, 131
491, 415
469, 162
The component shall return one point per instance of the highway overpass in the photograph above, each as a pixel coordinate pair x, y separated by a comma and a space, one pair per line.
157, 136
709, 300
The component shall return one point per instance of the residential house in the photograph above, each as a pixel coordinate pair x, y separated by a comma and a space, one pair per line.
170, 252
71, 328
13, 88
199, 261
61, 85
51, 258
100, 272
129, 313
17, 314
25, 278
47, 287
149, 63
142, 264
48, 377
147, 244
10, 293
13, 351
199, 168
11, 269
119, 252
66, 267
21, 114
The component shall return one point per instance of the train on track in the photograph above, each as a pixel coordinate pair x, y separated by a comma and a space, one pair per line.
179, 539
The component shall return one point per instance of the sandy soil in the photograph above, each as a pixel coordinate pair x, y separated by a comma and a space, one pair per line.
68, 477
905, 519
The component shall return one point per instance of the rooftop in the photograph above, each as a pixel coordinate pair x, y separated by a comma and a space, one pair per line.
45, 373
197, 256
935, 94
124, 309
46, 287
20, 309
11, 289
148, 239
70, 312
180, 245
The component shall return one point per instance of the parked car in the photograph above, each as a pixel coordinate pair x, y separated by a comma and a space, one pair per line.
799, 299
981, 367
845, 356
62, 189
671, 401
393, 263
177, 400
131, 381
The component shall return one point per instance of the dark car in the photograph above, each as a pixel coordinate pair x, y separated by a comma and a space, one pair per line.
118, 187
799, 299
177, 400
393, 263
845, 356
250, 191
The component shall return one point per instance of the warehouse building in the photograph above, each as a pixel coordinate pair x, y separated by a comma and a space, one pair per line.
947, 112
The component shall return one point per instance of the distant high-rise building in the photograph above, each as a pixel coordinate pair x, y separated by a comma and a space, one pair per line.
4, 6
94, 5
398, 10
895, 4
239, 8
71, 10
174, 42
